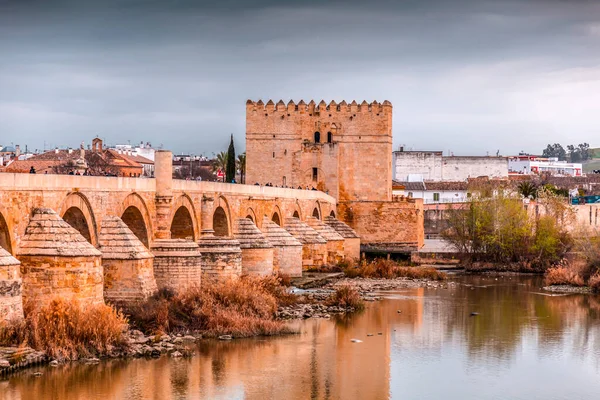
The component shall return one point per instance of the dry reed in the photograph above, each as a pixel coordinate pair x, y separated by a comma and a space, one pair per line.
67, 330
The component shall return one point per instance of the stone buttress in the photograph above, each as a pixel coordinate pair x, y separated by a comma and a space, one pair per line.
314, 247
177, 264
221, 258
351, 239
56, 261
257, 251
128, 265
11, 300
335, 242
287, 252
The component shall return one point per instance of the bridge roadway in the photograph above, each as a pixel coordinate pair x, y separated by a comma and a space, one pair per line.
160, 208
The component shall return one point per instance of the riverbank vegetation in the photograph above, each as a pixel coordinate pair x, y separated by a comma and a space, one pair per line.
241, 308
583, 268
66, 330
347, 297
499, 230
388, 269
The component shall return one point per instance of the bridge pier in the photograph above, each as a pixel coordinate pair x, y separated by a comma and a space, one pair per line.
177, 264
335, 242
257, 252
11, 300
128, 265
351, 239
287, 250
314, 247
163, 172
221, 256
57, 261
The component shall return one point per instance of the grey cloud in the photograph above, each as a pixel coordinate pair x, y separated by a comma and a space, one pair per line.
470, 76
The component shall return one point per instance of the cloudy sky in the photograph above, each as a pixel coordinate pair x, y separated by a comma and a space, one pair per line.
463, 76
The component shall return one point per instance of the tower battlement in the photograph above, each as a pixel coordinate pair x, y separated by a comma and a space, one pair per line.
341, 148
312, 107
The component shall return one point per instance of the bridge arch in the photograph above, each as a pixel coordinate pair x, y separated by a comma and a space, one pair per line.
222, 218
276, 215
76, 211
183, 219
316, 212
251, 215
5, 239
136, 216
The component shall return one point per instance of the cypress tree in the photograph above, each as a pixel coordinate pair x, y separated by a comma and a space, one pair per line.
230, 170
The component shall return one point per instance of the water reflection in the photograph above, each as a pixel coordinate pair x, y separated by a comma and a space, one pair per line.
523, 344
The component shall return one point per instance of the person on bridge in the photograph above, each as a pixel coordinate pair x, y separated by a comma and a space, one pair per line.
32, 170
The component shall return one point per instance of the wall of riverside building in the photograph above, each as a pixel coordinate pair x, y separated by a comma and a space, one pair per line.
428, 164
395, 225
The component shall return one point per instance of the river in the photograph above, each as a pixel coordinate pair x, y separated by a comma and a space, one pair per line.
523, 344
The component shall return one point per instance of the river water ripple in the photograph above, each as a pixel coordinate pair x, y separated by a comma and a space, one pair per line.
523, 343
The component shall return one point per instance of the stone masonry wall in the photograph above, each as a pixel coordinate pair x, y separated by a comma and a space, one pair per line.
287, 260
11, 300
390, 226
177, 264
71, 278
280, 141
127, 281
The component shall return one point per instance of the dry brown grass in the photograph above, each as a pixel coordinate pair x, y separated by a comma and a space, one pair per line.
66, 330
594, 282
388, 269
563, 275
241, 308
346, 296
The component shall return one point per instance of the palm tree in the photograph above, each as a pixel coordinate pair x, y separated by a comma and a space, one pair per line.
528, 190
220, 162
241, 166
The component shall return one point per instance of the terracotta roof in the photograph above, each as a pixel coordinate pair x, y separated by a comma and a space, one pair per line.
23, 166
61, 155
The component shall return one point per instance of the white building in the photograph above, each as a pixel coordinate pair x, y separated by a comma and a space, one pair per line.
432, 192
533, 165
143, 150
434, 166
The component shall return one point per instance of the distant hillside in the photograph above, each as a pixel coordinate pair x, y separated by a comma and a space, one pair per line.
591, 165
594, 163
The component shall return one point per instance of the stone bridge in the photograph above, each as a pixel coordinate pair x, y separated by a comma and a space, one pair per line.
132, 235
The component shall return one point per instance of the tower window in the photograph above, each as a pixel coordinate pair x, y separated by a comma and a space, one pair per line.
317, 137
315, 174
273, 154
329, 137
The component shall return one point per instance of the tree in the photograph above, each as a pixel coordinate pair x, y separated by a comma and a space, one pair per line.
241, 166
528, 190
230, 166
220, 162
574, 154
584, 151
555, 150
